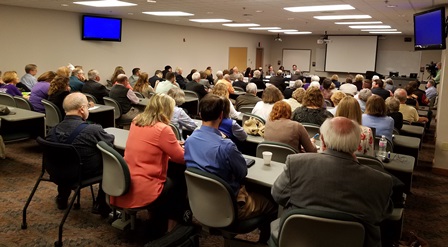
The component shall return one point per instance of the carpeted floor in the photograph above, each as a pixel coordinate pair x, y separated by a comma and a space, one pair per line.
425, 212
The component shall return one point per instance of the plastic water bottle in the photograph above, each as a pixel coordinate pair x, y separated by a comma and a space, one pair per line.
382, 153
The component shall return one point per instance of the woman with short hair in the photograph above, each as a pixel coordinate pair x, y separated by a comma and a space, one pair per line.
296, 100
280, 128
150, 145
312, 110
336, 98
376, 117
40, 91
180, 118
393, 111
349, 108
270, 95
10, 80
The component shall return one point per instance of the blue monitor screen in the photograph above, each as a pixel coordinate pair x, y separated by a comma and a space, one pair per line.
429, 30
101, 28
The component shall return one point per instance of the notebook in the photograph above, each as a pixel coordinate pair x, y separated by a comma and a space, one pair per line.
249, 162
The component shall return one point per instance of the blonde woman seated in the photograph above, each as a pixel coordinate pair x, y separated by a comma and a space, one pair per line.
280, 128
221, 89
336, 97
151, 143
270, 95
296, 100
180, 118
142, 85
349, 108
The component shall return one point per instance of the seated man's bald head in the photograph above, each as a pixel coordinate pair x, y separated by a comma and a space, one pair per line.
76, 104
341, 134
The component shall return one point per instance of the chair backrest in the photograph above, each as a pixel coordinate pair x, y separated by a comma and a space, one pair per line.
138, 94
211, 198
390, 145
116, 176
246, 109
395, 131
239, 89
91, 98
111, 102
371, 161
189, 93
312, 228
329, 103
279, 150
23, 103
246, 116
61, 161
6, 99
53, 115
176, 131
311, 128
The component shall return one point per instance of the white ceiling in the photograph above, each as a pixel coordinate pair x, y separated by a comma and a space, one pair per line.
272, 14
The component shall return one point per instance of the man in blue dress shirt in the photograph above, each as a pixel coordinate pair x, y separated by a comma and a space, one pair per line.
207, 150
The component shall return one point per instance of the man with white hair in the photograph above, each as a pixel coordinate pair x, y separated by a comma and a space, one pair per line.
314, 79
410, 114
250, 98
278, 81
334, 180
94, 87
258, 80
77, 80
195, 86
239, 82
363, 96
293, 85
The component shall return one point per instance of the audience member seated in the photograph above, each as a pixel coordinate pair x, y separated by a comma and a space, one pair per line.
250, 98
94, 87
336, 98
156, 78
142, 85
189, 76
239, 82
296, 100
348, 87
28, 79
40, 91
413, 89
349, 108
258, 80
334, 181
226, 162
195, 86
278, 81
179, 78
335, 80
314, 79
59, 89
10, 80
410, 114
125, 98
376, 117
362, 98
379, 90
226, 81
180, 118
393, 111
118, 71
204, 81
431, 91
312, 110
150, 145
230, 128
327, 91
280, 128
367, 84
167, 69
296, 75
221, 89
358, 82
209, 73
293, 85
77, 80
134, 77
165, 85
270, 95
219, 76
389, 85
76, 131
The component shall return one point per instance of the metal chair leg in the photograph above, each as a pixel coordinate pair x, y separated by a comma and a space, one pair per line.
24, 224
67, 211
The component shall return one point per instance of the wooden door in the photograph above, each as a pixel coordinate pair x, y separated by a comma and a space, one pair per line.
238, 58
259, 58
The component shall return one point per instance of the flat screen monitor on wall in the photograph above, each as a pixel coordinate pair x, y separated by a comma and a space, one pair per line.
430, 30
101, 28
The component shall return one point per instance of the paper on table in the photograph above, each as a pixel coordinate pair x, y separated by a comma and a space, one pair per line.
93, 108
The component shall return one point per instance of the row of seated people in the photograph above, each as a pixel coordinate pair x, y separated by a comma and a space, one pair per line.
152, 147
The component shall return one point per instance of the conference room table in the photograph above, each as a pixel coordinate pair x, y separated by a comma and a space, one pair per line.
22, 123
191, 104
102, 115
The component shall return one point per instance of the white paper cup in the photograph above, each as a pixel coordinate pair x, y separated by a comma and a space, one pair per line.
267, 156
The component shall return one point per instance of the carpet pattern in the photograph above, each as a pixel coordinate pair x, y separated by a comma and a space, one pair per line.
425, 212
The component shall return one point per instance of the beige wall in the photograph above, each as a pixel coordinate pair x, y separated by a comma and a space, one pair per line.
51, 39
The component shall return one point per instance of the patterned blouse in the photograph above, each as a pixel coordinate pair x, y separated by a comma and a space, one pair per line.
366, 146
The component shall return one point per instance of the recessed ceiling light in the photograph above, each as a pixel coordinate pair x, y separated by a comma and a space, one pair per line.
320, 8
259, 11
305, 32
64, 5
282, 30
107, 3
209, 13
358, 22
379, 30
130, 13
290, 19
386, 32
341, 17
369, 26
392, 6
210, 20
168, 13
151, 1
264, 28
241, 25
